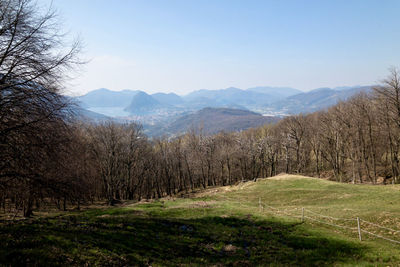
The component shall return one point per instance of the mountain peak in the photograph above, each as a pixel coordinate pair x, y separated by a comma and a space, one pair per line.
142, 103
104, 97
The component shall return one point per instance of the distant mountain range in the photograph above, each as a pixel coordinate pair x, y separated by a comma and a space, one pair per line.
235, 96
139, 102
170, 112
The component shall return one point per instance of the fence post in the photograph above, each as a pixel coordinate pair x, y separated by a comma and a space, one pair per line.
359, 228
302, 214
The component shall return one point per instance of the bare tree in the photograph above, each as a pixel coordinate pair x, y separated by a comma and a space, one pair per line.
388, 96
33, 62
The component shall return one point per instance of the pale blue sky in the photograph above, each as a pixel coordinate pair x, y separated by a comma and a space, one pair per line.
180, 46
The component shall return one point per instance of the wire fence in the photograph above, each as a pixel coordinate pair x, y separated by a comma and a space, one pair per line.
357, 225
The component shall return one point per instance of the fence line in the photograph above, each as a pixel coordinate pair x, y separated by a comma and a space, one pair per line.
281, 211
329, 217
379, 236
383, 227
331, 224
357, 220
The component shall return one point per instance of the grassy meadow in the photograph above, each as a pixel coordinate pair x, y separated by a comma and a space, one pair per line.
217, 227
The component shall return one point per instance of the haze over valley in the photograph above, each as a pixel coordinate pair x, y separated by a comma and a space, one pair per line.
162, 113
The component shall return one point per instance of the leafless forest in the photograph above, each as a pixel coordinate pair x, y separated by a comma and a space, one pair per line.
52, 160
48, 158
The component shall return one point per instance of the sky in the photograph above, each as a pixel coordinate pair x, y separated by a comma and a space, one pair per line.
185, 45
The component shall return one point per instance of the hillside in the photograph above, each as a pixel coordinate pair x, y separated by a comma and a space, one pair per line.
278, 91
317, 99
247, 98
214, 120
82, 114
218, 226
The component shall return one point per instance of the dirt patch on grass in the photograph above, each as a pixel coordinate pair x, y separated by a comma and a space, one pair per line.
105, 216
223, 189
122, 214
229, 248
214, 191
345, 195
289, 176
203, 204
197, 204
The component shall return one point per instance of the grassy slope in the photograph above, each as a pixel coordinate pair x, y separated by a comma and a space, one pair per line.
222, 226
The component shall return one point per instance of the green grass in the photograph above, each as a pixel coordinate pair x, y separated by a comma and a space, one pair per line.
221, 226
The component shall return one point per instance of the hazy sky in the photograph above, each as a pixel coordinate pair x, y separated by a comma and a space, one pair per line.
181, 46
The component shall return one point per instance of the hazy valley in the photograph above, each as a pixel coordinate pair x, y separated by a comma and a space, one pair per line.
230, 109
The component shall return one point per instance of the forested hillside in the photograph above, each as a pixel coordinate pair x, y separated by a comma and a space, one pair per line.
212, 121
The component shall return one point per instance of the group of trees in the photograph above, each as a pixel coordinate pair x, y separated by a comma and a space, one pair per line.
34, 135
48, 158
354, 141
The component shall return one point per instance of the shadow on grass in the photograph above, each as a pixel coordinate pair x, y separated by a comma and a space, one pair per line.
132, 239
